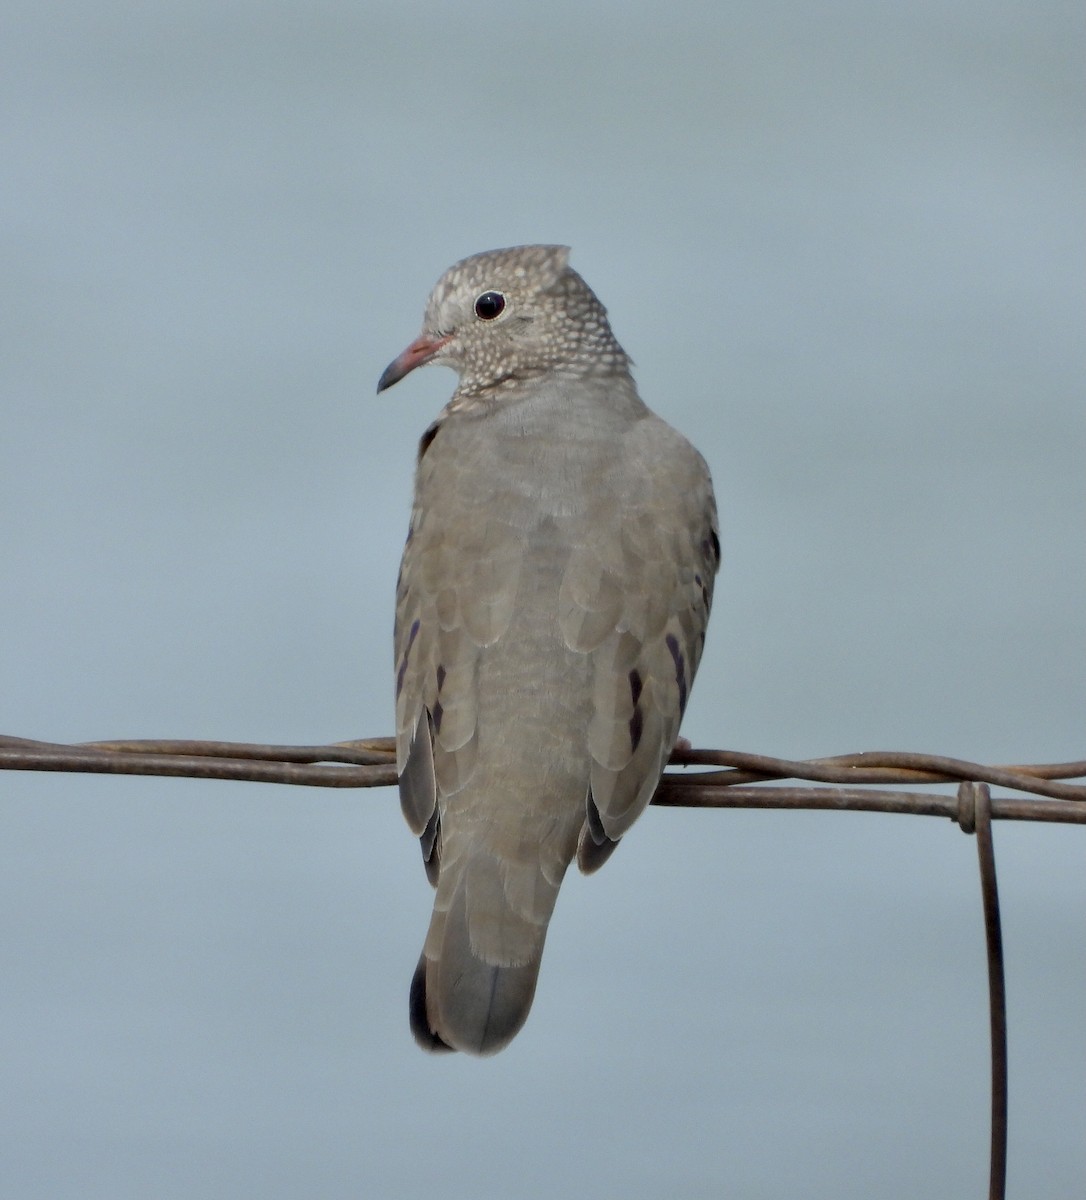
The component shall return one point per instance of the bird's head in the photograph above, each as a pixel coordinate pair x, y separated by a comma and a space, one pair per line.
507, 315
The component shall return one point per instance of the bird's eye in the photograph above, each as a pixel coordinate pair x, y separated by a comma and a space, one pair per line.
489, 305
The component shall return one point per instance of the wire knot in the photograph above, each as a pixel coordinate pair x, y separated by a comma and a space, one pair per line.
973, 797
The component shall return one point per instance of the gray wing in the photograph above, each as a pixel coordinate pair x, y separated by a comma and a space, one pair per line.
453, 599
639, 603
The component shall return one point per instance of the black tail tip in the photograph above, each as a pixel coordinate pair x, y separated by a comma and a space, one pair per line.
420, 1022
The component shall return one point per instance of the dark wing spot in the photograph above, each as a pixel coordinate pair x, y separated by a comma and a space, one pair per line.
410, 535
414, 633
436, 715
594, 847
440, 677
636, 723
427, 438
716, 546
595, 825
635, 686
680, 669
429, 841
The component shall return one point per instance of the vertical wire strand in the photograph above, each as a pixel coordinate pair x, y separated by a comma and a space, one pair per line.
977, 798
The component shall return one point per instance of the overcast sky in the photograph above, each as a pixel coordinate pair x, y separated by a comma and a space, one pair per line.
844, 245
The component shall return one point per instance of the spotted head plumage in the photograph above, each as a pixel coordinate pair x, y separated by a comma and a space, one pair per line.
504, 316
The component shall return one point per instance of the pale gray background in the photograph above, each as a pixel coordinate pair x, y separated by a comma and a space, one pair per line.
844, 244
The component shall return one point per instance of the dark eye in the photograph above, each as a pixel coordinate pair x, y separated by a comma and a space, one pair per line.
489, 305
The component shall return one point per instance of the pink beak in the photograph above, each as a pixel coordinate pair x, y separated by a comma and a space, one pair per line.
421, 350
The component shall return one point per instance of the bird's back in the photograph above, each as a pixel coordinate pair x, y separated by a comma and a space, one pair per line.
517, 574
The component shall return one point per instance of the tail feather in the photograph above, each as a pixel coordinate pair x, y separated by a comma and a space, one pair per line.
420, 1022
458, 1000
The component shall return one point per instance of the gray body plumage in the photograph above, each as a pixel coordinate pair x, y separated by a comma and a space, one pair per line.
551, 612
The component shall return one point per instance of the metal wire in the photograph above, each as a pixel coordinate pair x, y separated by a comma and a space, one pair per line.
740, 780
975, 800
370, 762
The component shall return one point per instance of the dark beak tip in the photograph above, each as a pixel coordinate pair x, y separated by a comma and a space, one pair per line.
421, 351
389, 376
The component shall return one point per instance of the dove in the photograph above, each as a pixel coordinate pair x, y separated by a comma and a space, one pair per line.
551, 612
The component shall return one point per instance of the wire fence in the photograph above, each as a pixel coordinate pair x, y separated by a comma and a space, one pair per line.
858, 783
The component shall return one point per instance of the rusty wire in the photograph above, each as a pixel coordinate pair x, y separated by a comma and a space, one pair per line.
371, 762
976, 802
739, 780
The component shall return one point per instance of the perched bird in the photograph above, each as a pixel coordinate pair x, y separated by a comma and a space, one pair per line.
550, 615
